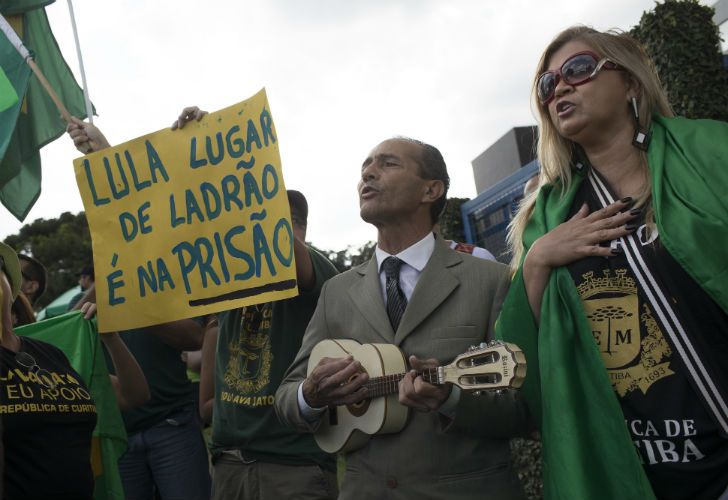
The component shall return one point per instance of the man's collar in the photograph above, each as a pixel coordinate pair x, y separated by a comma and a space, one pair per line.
415, 256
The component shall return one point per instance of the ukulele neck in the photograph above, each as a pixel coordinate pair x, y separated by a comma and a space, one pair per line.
389, 384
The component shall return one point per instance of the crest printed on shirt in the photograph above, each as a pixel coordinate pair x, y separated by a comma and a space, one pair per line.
250, 356
635, 357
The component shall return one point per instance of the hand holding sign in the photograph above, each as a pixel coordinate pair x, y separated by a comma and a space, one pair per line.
188, 114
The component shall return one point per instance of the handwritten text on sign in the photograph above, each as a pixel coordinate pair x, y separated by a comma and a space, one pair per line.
189, 222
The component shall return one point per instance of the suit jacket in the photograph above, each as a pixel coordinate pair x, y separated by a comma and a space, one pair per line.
453, 306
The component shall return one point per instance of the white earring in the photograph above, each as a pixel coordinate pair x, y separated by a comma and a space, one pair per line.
635, 108
642, 136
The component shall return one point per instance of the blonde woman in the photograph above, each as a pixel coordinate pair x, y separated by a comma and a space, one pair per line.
620, 259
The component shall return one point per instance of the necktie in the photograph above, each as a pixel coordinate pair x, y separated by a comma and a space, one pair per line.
396, 301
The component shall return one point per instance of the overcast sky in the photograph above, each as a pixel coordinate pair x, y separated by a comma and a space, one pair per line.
341, 76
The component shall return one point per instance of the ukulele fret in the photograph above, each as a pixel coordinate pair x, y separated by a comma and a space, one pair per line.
389, 384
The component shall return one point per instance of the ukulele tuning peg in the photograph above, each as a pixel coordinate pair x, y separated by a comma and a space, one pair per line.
473, 348
483, 345
477, 393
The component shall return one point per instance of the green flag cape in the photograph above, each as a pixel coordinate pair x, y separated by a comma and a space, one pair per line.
34, 121
79, 341
587, 449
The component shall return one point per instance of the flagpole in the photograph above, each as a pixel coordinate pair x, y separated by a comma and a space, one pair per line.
89, 109
18, 44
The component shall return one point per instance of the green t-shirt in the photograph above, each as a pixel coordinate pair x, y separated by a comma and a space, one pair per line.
166, 375
255, 347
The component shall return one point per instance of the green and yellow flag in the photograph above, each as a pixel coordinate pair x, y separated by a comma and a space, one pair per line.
79, 341
16, 74
34, 120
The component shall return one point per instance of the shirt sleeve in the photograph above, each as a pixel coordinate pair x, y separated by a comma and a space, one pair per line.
309, 413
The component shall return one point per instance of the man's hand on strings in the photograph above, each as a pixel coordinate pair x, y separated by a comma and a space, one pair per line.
418, 394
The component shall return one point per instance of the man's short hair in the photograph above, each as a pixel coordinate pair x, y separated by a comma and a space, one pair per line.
298, 203
34, 271
432, 167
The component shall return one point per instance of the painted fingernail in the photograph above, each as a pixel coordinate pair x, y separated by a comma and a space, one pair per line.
630, 227
635, 211
628, 199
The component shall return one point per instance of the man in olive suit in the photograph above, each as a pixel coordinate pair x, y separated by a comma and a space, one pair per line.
431, 302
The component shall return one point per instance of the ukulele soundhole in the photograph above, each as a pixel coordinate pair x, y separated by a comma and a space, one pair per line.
360, 408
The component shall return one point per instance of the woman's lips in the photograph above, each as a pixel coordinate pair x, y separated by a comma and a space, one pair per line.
564, 108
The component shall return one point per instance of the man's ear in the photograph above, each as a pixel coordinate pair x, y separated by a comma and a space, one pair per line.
434, 190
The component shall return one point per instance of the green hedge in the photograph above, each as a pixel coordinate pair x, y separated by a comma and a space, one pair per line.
684, 43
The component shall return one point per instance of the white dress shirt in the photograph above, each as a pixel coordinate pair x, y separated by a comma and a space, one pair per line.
414, 259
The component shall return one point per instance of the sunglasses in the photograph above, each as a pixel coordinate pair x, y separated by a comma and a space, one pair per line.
579, 69
44, 377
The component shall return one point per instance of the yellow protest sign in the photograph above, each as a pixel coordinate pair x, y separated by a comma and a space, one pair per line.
189, 222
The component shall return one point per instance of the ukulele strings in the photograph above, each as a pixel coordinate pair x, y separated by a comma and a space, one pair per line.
389, 384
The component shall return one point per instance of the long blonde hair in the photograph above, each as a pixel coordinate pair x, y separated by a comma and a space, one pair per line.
554, 151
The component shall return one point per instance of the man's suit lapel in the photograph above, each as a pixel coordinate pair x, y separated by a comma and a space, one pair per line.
366, 294
436, 283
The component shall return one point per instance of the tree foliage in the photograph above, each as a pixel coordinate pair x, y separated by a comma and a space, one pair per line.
684, 44
63, 245
451, 220
345, 259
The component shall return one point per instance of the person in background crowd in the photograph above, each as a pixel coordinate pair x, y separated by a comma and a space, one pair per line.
428, 300
471, 249
620, 298
46, 432
34, 280
86, 280
255, 456
166, 454
166, 451
467, 248
128, 380
193, 362
35, 277
22, 311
